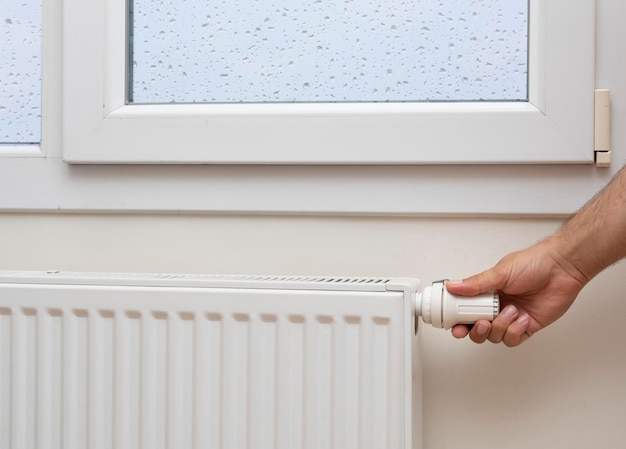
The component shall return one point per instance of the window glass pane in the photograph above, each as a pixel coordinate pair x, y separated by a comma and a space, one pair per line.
328, 50
20, 71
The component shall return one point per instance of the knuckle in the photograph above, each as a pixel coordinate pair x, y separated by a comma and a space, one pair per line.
475, 337
495, 339
511, 340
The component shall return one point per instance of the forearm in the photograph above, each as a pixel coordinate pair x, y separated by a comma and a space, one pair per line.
596, 236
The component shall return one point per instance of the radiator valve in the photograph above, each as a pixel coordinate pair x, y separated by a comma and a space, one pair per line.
442, 309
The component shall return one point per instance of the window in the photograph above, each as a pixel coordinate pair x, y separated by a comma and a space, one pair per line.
20, 74
554, 126
374, 159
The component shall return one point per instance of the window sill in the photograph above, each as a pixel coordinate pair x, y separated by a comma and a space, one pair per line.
50, 185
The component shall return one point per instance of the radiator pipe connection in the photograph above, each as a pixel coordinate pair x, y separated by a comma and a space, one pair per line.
440, 308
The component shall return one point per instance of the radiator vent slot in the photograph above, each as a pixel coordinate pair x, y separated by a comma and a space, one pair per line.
61, 275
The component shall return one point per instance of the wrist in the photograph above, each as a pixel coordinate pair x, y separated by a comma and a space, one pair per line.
594, 238
571, 257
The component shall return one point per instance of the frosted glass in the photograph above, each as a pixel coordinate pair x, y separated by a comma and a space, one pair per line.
20, 71
328, 50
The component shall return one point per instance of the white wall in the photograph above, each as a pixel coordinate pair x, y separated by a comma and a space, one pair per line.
564, 388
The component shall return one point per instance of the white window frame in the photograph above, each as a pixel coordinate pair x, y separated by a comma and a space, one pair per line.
555, 126
37, 179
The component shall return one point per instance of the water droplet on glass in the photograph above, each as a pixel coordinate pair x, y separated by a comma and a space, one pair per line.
441, 37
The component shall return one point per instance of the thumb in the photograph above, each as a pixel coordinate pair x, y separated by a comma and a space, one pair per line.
487, 281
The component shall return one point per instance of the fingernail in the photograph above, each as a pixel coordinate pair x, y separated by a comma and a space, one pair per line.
509, 311
481, 329
454, 282
522, 319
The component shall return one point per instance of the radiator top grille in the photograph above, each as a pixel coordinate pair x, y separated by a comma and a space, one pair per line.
199, 280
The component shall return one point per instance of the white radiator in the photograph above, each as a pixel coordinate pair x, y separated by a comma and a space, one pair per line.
113, 361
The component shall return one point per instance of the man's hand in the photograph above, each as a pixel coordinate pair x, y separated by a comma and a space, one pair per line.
538, 285
535, 288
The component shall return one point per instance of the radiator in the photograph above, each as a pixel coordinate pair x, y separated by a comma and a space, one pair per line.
113, 361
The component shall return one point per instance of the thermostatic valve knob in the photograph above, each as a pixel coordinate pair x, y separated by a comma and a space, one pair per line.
442, 309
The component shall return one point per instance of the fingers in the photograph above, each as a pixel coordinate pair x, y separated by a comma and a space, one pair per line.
517, 331
501, 323
478, 333
460, 331
509, 327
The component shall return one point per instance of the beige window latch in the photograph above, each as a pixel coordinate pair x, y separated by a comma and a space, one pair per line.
602, 124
